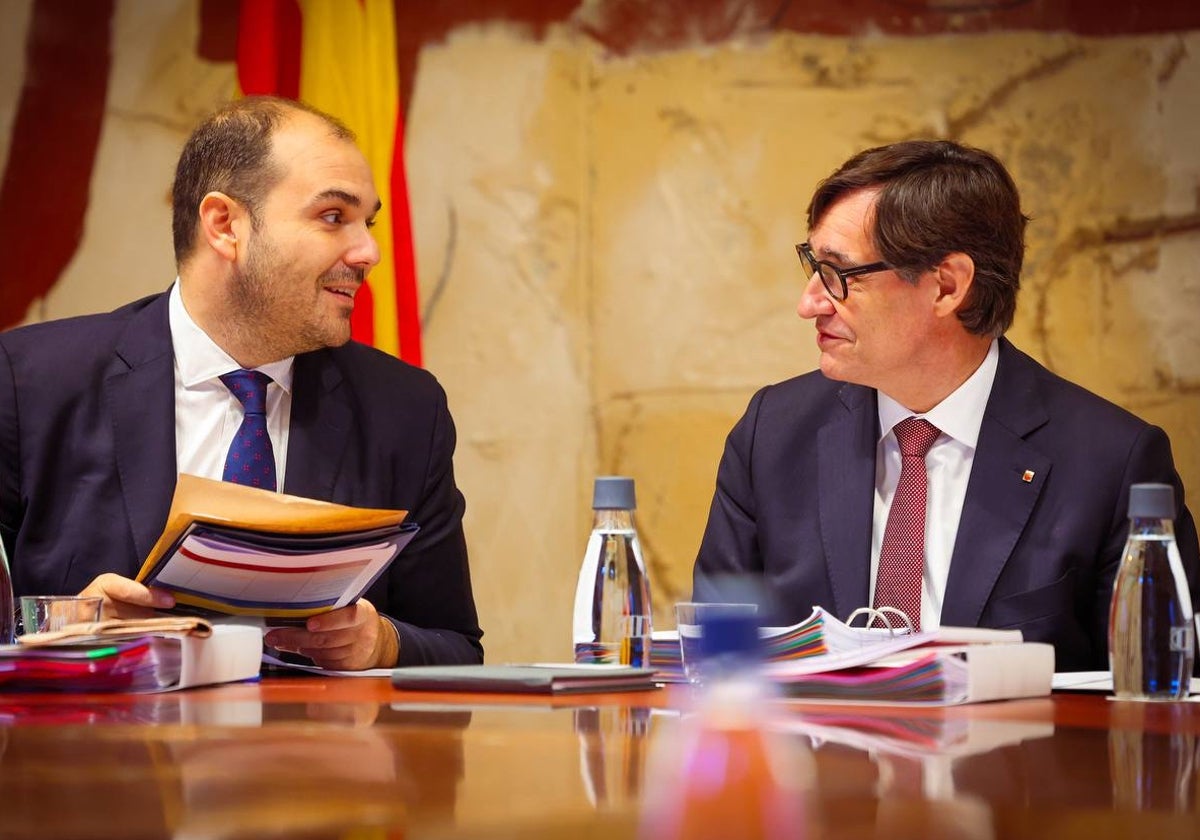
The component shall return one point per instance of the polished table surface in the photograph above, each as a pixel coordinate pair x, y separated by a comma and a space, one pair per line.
353, 758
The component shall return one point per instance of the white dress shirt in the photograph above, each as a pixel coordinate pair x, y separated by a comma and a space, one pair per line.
948, 466
207, 414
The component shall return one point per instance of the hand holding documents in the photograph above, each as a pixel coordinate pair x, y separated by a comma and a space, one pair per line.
235, 550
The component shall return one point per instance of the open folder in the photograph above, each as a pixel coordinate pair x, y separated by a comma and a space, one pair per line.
236, 550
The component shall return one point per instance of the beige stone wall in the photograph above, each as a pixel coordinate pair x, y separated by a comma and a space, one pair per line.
605, 246
605, 253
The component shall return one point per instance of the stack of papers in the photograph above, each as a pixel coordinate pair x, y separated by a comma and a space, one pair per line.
235, 550
828, 643
940, 676
127, 665
147, 662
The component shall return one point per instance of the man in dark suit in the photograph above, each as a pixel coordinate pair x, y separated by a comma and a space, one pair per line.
273, 205
914, 258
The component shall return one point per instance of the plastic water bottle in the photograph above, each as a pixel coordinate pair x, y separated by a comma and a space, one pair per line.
612, 621
1151, 633
725, 772
8, 621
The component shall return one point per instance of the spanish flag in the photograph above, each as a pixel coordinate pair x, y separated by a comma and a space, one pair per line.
341, 57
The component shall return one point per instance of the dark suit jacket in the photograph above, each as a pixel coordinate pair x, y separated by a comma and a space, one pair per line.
87, 463
795, 497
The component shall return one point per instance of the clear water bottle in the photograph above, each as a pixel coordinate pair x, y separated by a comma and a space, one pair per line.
8, 622
612, 622
1150, 625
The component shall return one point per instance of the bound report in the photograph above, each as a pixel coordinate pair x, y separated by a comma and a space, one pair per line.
947, 666
236, 550
136, 655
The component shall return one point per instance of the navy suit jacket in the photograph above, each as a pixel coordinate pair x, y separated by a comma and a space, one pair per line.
795, 499
87, 463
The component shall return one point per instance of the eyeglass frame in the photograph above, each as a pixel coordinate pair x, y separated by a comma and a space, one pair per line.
815, 266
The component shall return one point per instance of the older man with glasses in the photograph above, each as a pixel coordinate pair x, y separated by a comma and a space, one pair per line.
930, 465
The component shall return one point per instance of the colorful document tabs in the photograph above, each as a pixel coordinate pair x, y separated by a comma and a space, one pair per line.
921, 681
939, 675
108, 661
127, 665
823, 658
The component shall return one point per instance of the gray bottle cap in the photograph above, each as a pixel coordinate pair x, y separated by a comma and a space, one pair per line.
1152, 501
613, 492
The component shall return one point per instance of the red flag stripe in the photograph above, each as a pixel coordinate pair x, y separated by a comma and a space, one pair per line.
268, 48
407, 315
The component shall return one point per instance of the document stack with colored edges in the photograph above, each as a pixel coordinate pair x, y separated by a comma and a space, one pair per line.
810, 660
228, 549
135, 655
818, 635
942, 667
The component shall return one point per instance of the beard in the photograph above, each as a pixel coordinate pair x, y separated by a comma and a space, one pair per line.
279, 310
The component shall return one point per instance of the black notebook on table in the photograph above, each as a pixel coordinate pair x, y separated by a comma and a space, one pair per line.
524, 679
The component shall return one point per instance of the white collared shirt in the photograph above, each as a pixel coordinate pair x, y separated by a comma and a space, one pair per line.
207, 414
948, 465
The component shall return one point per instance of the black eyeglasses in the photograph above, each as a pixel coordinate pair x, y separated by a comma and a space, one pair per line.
833, 277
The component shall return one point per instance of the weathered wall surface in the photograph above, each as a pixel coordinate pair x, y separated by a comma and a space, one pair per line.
605, 245
606, 253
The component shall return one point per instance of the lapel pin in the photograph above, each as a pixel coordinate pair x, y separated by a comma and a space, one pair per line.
1027, 476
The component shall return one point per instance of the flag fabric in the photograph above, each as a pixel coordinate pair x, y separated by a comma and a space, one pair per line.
341, 58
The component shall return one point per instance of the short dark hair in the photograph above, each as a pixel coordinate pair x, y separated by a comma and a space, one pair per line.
230, 152
937, 197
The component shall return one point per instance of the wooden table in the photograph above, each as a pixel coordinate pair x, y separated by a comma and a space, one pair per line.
353, 758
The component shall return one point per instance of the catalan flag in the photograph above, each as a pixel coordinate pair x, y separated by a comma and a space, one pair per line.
341, 57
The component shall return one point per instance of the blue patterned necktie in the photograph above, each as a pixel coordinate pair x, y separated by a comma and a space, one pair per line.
250, 461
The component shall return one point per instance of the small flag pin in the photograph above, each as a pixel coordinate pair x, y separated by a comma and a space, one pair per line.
1027, 476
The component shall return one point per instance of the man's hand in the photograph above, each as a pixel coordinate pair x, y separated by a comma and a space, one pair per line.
350, 639
125, 598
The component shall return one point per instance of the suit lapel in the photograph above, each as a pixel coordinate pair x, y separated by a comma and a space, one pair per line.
322, 419
846, 476
1007, 478
140, 395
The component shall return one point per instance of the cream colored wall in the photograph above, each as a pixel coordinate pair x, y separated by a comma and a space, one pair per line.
605, 246
606, 261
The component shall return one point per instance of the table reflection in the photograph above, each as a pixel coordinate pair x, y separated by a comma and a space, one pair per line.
612, 752
234, 769
328, 758
1152, 771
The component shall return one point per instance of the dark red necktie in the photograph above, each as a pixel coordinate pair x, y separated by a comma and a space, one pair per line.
902, 555
251, 460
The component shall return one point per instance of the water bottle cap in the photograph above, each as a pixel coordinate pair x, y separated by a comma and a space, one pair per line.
729, 634
1152, 501
613, 492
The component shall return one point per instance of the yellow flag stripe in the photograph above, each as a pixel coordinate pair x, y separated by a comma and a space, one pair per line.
348, 69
